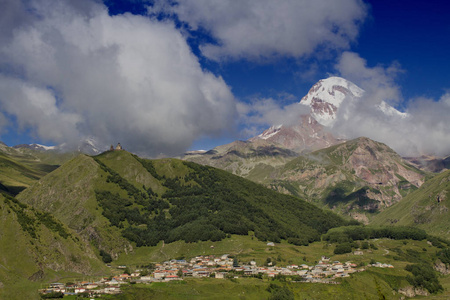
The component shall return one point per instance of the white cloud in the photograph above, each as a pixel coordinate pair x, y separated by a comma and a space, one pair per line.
36, 108
260, 113
258, 29
426, 129
75, 71
378, 82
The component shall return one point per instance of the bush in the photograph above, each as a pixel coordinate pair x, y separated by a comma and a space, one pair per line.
280, 292
52, 295
343, 248
424, 276
106, 257
444, 256
365, 245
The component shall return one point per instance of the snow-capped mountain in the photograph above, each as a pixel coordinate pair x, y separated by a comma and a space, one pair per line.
327, 95
88, 146
324, 99
36, 147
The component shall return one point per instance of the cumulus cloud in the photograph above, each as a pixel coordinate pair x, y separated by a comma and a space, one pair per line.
425, 129
259, 113
378, 82
258, 29
72, 71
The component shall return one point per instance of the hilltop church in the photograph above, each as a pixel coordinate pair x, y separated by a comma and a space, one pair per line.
118, 147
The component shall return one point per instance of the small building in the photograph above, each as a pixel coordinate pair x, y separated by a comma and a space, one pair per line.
220, 275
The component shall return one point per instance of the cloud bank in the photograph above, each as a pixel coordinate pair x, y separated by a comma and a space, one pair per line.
69, 70
424, 130
259, 113
258, 29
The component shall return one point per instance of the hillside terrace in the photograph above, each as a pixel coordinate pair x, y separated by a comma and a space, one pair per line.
217, 267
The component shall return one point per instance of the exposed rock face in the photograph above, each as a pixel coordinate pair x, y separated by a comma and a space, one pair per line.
410, 291
442, 268
358, 175
308, 135
430, 163
37, 276
378, 165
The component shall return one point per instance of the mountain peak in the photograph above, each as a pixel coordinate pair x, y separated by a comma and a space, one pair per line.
326, 96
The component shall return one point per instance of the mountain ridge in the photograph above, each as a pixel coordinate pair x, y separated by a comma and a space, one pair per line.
117, 199
426, 208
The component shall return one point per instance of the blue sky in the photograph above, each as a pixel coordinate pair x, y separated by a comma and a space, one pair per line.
105, 69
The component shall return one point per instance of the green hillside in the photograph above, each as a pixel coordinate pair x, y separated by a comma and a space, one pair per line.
37, 248
118, 201
20, 168
143, 211
426, 208
69, 194
244, 158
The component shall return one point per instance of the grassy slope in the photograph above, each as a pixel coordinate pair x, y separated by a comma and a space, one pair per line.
68, 193
422, 209
20, 168
70, 190
39, 253
245, 158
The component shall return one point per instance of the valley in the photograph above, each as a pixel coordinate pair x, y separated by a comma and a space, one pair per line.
293, 212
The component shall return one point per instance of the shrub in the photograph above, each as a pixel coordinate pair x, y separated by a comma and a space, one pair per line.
424, 276
106, 257
343, 248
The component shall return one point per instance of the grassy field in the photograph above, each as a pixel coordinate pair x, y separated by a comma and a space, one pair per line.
247, 248
370, 284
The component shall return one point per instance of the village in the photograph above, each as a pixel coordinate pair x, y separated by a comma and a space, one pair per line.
219, 267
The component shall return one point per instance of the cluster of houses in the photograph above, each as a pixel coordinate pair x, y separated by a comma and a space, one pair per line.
211, 266
103, 286
222, 267
381, 265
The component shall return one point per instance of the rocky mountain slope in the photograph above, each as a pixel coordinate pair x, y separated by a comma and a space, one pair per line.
242, 157
358, 175
426, 208
353, 177
306, 136
430, 163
